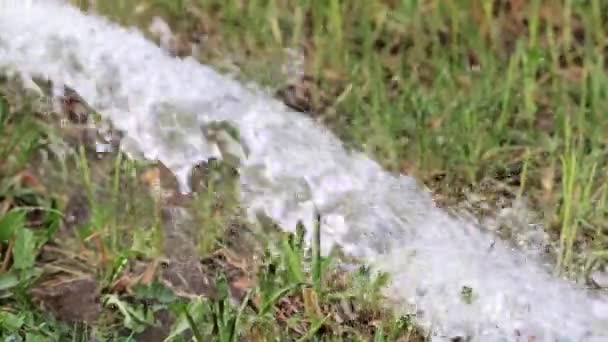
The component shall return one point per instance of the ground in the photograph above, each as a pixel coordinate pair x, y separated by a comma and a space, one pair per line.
487, 102
490, 103
96, 246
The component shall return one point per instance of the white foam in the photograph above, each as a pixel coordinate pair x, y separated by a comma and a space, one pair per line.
294, 163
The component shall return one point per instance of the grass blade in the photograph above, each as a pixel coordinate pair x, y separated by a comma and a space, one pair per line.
316, 257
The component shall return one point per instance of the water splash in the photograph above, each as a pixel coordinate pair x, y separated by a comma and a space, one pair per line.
295, 165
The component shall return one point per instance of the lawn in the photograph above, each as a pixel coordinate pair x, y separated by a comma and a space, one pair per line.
98, 247
490, 103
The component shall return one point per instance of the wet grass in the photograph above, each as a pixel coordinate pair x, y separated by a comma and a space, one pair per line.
487, 102
96, 246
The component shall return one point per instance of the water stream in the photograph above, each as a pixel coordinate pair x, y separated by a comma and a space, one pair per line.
294, 165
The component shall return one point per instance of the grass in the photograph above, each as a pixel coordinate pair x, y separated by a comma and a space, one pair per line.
91, 249
487, 102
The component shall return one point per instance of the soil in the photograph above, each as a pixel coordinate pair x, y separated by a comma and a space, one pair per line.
70, 299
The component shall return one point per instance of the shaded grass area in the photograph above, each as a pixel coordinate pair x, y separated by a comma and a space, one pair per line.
95, 246
486, 101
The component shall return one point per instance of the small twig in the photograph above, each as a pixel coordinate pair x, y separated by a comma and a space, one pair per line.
8, 309
63, 252
7, 257
5, 207
100, 247
58, 269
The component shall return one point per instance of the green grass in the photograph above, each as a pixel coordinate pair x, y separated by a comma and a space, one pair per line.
500, 99
472, 97
87, 253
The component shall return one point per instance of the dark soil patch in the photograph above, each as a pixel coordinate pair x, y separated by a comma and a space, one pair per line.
70, 299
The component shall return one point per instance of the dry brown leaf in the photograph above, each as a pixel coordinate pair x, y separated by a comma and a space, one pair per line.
28, 179
122, 284
148, 276
311, 303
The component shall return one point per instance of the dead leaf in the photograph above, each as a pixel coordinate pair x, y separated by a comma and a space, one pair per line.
547, 180
28, 179
148, 276
122, 284
311, 302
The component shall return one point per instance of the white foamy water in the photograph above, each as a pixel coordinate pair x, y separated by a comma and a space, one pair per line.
293, 165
